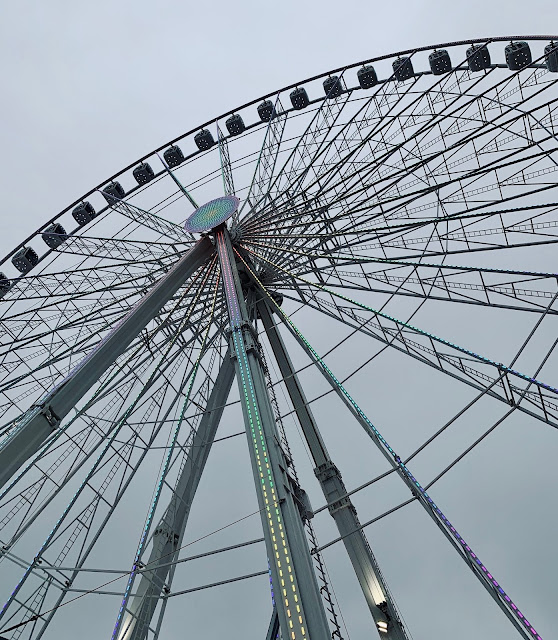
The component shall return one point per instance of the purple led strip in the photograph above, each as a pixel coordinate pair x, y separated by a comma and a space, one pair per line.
468, 550
270, 583
232, 301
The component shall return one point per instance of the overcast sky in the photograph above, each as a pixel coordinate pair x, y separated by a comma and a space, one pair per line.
88, 87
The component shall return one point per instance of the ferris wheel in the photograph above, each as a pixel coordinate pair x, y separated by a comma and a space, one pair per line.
353, 205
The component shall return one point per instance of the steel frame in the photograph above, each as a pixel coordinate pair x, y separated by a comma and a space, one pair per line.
314, 215
45, 417
521, 624
168, 534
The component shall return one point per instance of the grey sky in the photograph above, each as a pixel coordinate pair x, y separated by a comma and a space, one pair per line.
90, 87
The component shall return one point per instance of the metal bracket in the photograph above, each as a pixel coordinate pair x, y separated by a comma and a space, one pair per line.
249, 336
43, 408
51, 417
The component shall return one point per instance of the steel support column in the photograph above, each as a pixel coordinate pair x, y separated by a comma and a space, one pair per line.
168, 534
45, 416
342, 510
295, 589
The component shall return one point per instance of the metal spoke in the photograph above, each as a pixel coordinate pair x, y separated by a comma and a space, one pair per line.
430, 348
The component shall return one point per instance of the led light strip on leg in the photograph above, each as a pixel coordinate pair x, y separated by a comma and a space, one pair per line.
287, 578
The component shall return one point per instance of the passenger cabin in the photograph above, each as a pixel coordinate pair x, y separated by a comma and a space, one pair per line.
204, 140
5, 285
54, 235
299, 98
333, 87
83, 213
367, 77
173, 156
440, 62
403, 69
25, 259
478, 57
143, 173
551, 57
235, 124
518, 55
266, 110
113, 192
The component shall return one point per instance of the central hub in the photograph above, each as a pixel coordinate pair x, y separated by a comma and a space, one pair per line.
212, 214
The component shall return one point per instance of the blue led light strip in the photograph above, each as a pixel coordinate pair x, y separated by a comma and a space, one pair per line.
170, 451
501, 367
405, 473
281, 551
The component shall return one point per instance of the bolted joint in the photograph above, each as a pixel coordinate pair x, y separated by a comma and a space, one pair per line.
52, 419
44, 408
383, 622
236, 234
342, 503
383, 626
248, 336
167, 532
326, 471
302, 500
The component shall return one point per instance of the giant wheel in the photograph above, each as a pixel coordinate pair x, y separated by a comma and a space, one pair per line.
394, 219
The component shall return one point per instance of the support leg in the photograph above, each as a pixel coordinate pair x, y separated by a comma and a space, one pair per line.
342, 510
169, 532
37, 424
273, 628
297, 597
